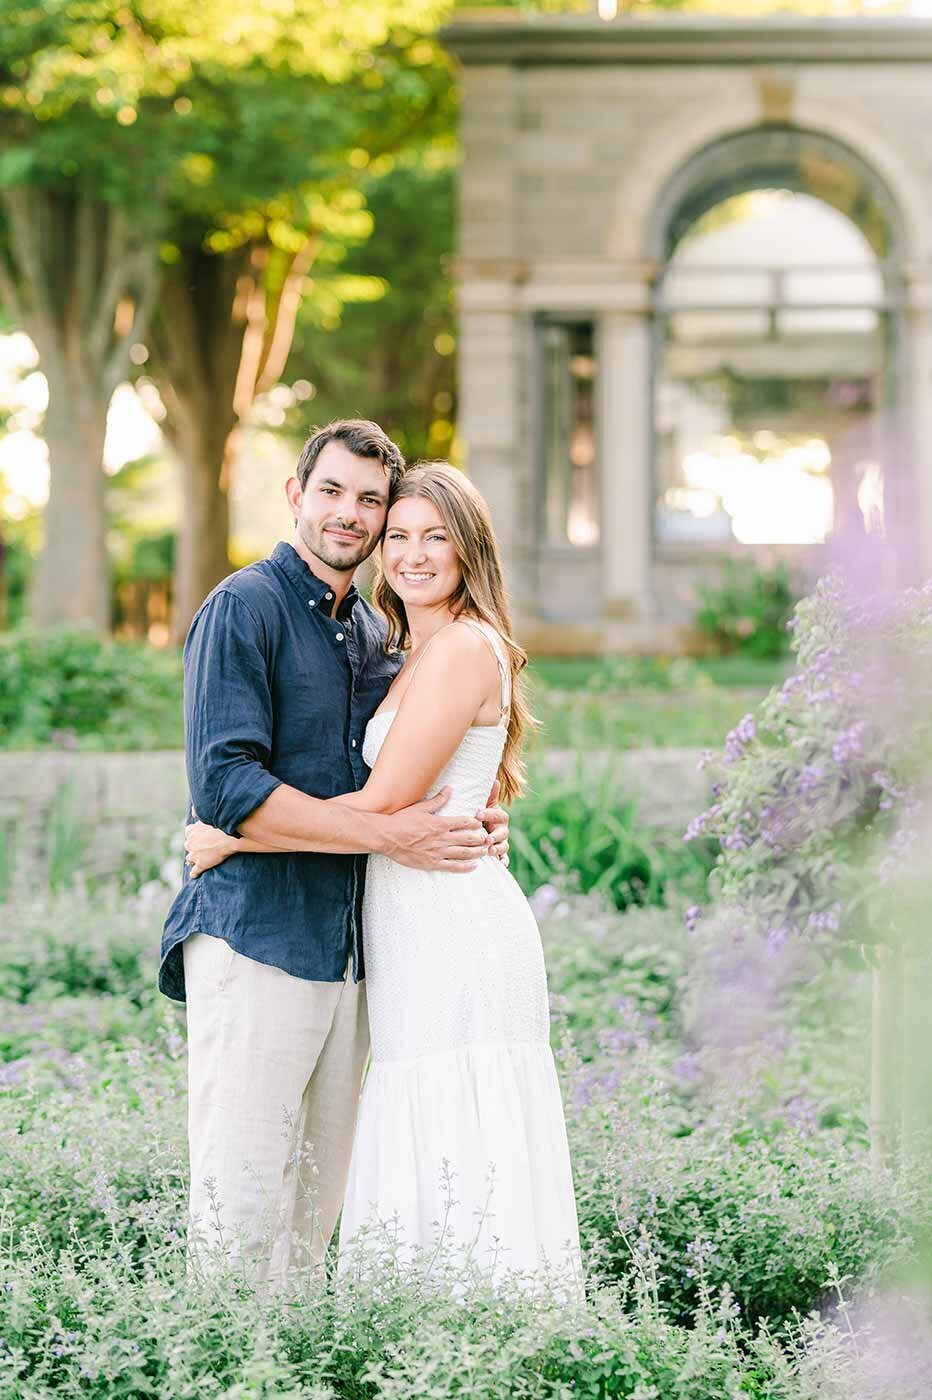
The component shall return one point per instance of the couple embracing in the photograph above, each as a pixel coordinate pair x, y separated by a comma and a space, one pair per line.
346, 887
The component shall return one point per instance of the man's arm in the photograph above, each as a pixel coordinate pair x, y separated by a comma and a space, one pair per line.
228, 742
227, 713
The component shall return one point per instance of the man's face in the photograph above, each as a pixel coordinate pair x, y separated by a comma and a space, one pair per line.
341, 512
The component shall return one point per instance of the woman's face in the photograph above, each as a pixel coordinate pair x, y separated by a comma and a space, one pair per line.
418, 557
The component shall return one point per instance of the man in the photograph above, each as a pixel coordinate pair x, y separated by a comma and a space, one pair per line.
284, 666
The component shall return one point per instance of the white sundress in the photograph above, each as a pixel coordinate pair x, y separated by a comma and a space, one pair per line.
461, 1124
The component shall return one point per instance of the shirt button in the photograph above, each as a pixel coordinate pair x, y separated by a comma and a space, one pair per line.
339, 636
311, 603
354, 743
328, 596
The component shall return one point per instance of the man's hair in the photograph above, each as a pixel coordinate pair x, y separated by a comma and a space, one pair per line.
359, 436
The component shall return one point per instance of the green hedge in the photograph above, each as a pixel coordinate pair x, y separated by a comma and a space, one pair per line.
71, 688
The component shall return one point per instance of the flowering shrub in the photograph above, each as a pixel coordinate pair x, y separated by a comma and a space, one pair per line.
706, 1204
818, 795
682, 1193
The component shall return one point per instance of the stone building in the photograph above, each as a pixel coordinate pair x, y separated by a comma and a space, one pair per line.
598, 353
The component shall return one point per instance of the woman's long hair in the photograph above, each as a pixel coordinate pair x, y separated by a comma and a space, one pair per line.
480, 594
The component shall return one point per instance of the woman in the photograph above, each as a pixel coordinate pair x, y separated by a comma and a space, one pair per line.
461, 1122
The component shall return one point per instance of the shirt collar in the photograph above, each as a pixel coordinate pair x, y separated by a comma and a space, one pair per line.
309, 585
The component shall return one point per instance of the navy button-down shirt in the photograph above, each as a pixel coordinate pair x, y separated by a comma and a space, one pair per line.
277, 690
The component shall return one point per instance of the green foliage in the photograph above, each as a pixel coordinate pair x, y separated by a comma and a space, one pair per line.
575, 827
748, 610
16, 543
99, 1327
381, 359
701, 1210
773, 1207
69, 687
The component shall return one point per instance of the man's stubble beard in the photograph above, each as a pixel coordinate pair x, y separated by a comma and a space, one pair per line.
313, 539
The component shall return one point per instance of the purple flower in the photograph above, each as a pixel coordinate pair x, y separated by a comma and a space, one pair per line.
739, 738
735, 841
825, 920
811, 776
776, 937
848, 743
691, 918
696, 827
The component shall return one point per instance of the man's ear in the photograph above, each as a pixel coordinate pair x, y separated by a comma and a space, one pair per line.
294, 494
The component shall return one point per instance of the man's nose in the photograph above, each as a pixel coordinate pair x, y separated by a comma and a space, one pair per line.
348, 513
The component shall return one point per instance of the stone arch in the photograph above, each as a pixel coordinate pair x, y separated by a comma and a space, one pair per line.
784, 156
819, 164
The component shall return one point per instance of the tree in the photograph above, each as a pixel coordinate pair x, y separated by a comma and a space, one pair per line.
254, 228
202, 149
390, 356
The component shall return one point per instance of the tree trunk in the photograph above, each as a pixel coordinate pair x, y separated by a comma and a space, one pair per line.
72, 580
201, 558
223, 335
198, 348
80, 277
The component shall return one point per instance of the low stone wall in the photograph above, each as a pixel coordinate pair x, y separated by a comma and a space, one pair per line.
91, 809
98, 807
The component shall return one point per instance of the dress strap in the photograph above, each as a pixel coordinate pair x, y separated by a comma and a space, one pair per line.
495, 642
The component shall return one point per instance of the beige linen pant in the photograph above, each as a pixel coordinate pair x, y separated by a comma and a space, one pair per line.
275, 1065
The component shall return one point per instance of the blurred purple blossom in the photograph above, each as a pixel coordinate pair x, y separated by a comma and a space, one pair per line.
739, 738
849, 745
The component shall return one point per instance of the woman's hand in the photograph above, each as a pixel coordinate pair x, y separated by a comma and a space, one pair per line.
205, 846
495, 821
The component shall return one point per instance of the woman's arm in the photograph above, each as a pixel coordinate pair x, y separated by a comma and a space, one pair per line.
452, 682
456, 676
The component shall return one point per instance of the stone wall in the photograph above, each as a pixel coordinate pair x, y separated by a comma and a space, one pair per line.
95, 810
106, 809
574, 133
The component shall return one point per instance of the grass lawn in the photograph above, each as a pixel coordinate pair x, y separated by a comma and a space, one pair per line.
657, 672
646, 702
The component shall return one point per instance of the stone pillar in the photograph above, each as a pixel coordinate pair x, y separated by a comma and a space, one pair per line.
625, 439
493, 427
917, 437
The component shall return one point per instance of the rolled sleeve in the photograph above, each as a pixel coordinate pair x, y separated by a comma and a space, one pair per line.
228, 713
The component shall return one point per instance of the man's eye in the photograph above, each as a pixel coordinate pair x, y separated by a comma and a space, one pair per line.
328, 490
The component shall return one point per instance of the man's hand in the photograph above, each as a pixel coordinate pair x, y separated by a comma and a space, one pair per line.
495, 821
418, 837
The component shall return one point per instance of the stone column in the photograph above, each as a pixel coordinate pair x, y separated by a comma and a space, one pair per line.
625, 459
916, 440
493, 425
